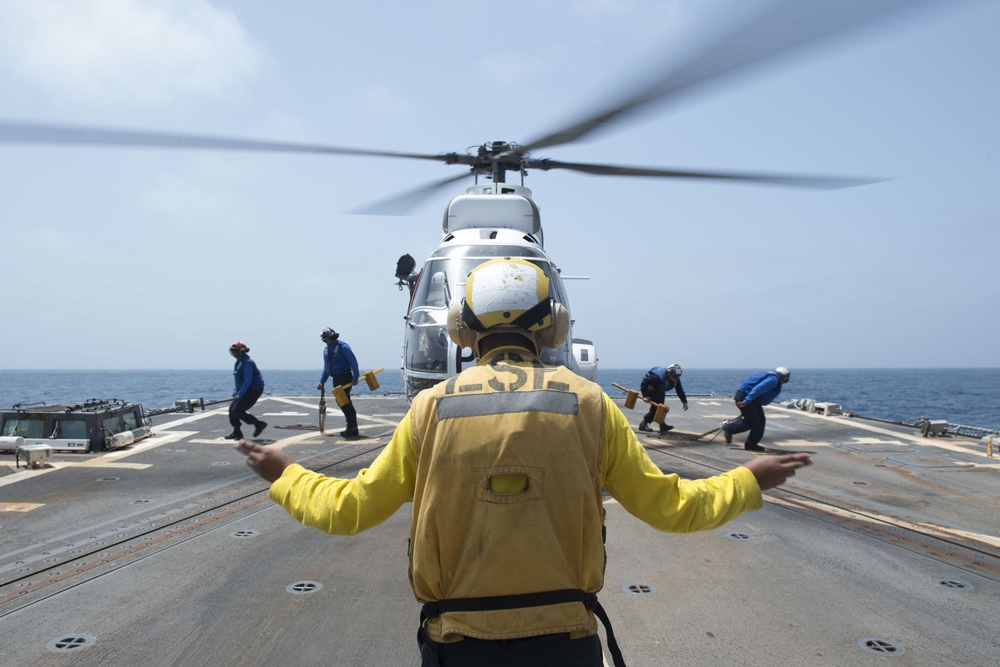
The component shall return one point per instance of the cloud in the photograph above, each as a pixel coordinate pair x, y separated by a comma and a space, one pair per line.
133, 52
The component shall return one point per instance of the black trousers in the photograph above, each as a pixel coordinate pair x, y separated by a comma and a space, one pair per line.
350, 413
751, 419
655, 394
544, 651
238, 409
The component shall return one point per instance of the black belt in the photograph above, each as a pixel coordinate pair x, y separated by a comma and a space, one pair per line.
498, 602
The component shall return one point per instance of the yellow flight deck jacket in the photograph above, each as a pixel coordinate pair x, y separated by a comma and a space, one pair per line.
504, 464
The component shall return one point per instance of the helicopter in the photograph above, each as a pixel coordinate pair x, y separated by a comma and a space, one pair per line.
499, 218
491, 220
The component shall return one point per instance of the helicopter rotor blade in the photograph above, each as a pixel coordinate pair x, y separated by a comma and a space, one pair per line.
785, 26
403, 203
787, 180
39, 133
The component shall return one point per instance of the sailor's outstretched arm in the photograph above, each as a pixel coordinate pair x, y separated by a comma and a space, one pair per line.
267, 462
772, 471
334, 505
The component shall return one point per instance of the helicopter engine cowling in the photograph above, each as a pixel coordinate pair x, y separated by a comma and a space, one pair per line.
506, 211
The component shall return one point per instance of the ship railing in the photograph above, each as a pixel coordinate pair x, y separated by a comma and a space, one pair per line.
940, 427
187, 405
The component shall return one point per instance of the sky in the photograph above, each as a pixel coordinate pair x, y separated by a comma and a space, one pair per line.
136, 258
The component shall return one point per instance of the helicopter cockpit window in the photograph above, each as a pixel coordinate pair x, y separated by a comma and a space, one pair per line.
485, 252
427, 324
437, 291
432, 289
427, 342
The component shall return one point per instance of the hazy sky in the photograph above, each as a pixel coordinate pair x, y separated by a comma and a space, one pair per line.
139, 258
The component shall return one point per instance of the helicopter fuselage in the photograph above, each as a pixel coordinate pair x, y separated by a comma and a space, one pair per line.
490, 221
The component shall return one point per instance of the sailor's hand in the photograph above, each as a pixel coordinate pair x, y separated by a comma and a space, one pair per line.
772, 471
741, 404
685, 407
267, 462
319, 386
354, 384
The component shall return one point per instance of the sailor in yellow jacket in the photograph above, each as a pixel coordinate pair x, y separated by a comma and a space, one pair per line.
504, 464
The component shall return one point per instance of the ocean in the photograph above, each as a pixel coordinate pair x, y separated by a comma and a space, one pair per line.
967, 396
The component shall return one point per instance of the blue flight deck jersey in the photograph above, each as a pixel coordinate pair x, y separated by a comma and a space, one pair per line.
659, 375
246, 376
762, 387
337, 360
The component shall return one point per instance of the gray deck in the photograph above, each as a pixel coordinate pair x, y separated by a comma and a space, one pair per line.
170, 553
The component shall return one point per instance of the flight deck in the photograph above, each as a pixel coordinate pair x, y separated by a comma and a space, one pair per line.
169, 552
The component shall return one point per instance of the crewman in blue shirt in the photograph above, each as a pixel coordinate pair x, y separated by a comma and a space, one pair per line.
248, 385
756, 391
655, 385
340, 363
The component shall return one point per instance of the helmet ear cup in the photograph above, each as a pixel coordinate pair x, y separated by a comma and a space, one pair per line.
553, 335
459, 332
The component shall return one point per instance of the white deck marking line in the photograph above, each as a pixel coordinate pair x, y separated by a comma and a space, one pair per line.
800, 444
105, 460
876, 441
100, 463
186, 420
302, 404
919, 439
296, 439
25, 474
315, 408
383, 422
331, 404
150, 443
20, 507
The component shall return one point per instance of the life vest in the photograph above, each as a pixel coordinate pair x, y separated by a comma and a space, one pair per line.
507, 500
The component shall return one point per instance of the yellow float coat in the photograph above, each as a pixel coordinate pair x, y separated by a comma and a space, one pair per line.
504, 465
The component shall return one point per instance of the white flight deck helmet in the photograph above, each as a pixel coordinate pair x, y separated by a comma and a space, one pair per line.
512, 295
675, 370
783, 373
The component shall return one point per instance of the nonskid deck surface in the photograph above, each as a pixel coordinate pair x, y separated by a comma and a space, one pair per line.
169, 552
